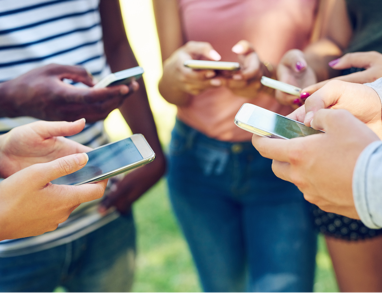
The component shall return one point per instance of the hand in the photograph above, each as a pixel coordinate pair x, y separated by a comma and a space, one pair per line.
322, 165
41, 93
246, 82
293, 69
38, 142
133, 186
186, 80
30, 205
360, 100
370, 61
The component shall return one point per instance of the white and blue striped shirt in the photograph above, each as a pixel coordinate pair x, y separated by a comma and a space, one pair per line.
39, 32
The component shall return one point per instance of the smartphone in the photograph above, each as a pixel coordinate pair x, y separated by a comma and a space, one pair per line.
110, 160
212, 65
120, 77
281, 86
267, 123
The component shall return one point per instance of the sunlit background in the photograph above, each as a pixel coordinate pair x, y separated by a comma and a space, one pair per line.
164, 262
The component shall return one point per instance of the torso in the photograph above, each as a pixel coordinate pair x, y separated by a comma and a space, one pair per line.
272, 26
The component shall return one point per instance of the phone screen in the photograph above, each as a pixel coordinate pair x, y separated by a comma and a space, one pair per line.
104, 160
279, 125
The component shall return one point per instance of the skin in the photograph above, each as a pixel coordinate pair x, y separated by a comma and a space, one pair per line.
357, 264
41, 93
31, 157
178, 83
135, 110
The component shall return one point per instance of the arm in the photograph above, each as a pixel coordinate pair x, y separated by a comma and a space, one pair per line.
135, 110
331, 35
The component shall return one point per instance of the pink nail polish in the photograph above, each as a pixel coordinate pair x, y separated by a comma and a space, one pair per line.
296, 101
299, 65
304, 95
334, 62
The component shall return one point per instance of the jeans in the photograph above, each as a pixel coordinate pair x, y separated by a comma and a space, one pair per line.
99, 261
247, 230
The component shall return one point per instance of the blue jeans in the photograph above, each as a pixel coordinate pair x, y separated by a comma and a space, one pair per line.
100, 261
246, 229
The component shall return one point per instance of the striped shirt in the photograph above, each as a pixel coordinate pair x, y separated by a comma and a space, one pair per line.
34, 33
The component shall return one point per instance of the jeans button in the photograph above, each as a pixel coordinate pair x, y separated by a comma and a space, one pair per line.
236, 148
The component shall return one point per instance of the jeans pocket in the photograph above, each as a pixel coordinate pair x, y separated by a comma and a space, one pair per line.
178, 144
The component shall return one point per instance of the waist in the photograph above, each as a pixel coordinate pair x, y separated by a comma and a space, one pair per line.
213, 112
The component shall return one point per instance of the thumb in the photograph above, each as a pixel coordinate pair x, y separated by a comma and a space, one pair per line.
243, 48
202, 49
51, 129
325, 97
294, 60
47, 172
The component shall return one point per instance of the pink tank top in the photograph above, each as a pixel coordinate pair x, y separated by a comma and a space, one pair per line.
272, 26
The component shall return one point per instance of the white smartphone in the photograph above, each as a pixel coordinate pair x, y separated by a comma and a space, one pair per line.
267, 123
211, 65
281, 86
110, 160
120, 77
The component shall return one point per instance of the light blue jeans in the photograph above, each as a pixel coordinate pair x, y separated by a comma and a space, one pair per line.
247, 230
102, 261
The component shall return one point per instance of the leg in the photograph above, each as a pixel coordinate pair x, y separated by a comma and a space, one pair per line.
357, 264
210, 220
282, 246
104, 259
35, 272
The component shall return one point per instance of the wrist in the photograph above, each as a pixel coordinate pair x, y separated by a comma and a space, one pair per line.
7, 97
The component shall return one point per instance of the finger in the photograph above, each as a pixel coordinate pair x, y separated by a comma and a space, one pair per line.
358, 60
330, 120
323, 98
275, 149
75, 73
92, 95
294, 60
298, 114
72, 196
47, 172
282, 170
243, 47
202, 49
52, 129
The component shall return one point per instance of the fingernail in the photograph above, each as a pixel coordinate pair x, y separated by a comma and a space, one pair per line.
215, 82
237, 77
238, 49
296, 101
124, 90
308, 117
334, 62
300, 65
210, 74
81, 159
304, 95
215, 55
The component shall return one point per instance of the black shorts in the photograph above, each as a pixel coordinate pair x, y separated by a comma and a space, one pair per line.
341, 227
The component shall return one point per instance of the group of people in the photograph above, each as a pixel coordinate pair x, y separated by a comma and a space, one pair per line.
247, 229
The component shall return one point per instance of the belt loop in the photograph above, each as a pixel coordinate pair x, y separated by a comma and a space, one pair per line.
191, 138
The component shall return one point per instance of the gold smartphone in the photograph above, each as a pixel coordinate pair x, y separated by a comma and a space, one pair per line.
212, 65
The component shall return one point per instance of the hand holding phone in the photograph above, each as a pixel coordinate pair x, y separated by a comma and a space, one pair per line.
211, 65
